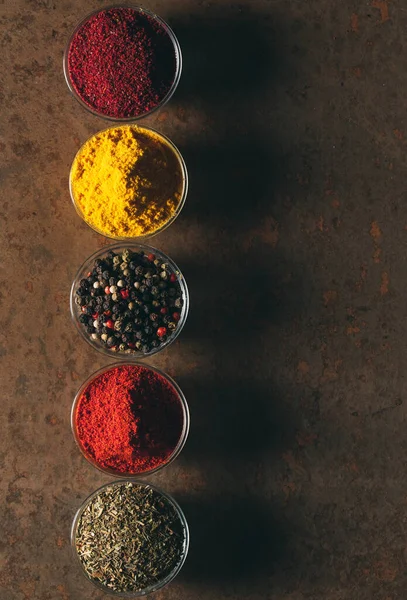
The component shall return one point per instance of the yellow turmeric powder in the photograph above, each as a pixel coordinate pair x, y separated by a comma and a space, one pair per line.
128, 181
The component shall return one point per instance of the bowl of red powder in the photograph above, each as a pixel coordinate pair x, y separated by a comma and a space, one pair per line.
122, 62
130, 419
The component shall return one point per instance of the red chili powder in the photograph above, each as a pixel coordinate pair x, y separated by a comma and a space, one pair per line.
129, 419
122, 62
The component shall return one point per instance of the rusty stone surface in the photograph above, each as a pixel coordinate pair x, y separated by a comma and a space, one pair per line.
292, 120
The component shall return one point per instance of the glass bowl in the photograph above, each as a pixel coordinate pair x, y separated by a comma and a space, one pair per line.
178, 447
153, 588
178, 61
76, 310
180, 205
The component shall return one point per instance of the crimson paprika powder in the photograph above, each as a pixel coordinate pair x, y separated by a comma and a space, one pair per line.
130, 419
122, 62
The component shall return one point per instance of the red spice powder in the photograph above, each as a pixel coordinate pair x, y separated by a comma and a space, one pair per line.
122, 62
129, 419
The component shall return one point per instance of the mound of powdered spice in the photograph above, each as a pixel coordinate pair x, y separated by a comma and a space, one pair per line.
127, 182
121, 62
129, 419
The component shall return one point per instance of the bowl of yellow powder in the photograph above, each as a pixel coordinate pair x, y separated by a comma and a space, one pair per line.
128, 182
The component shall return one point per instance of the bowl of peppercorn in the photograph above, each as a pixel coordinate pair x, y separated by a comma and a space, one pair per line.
129, 300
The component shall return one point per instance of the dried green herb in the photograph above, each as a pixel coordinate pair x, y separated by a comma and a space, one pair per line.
130, 537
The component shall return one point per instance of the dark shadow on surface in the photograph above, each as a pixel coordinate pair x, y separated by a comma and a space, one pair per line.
234, 539
240, 421
229, 53
236, 423
242, 296
232, 183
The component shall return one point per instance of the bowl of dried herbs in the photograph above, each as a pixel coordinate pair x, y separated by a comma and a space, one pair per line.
130, 538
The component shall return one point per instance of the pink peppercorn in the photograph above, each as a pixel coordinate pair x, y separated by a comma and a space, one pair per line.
122, 62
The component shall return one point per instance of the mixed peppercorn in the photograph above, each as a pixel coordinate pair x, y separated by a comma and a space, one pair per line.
130, 302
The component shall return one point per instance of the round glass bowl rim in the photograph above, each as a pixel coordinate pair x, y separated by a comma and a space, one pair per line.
147, 249
178, 58
185, 179
185, 425
159, 584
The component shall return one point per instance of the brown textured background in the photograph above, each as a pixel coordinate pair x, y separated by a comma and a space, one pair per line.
291, 116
